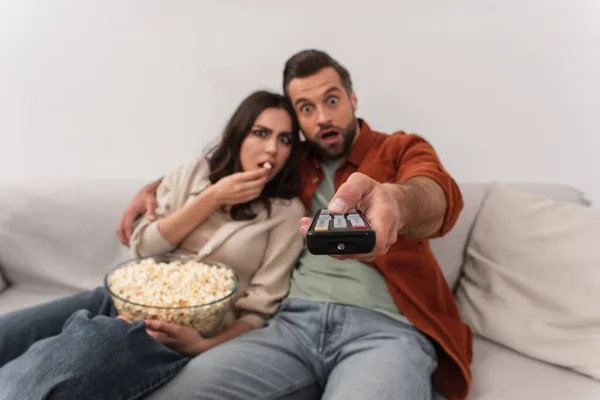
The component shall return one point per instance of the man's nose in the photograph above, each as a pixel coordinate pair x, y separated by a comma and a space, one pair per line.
323, 117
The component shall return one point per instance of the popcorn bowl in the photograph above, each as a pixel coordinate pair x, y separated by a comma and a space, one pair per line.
173, 288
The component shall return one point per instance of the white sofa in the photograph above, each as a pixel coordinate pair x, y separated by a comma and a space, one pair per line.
58, 237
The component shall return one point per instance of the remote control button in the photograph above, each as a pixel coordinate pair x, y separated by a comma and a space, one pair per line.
357, 221
322, 222
339, 221
359, 227
321, 228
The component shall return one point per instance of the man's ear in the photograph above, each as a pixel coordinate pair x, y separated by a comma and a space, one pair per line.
354, 101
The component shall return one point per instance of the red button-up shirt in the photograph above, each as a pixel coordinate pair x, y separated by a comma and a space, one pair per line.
413, 276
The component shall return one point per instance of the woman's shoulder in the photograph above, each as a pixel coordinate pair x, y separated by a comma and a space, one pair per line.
194, 166
195, 171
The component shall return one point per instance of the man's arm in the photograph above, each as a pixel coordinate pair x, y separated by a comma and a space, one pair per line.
414, 208
422, 206
143, 202
424, 201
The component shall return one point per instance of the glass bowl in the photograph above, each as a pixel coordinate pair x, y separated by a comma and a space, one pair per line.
173, 288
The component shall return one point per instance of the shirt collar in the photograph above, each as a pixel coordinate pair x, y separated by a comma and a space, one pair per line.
361, 146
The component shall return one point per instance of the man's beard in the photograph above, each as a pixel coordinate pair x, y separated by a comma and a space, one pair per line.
348, 135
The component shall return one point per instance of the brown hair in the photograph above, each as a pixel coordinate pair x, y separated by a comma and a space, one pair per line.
224, 159
309, 62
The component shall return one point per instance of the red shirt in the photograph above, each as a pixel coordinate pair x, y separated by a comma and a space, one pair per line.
413, 276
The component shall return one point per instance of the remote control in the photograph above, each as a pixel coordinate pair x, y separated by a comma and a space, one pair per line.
340, 234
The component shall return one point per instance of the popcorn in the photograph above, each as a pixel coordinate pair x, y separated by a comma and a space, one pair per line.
173, 291
268, 165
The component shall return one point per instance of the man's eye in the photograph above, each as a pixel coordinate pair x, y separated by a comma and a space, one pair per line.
260, 132
305, 109
332, 100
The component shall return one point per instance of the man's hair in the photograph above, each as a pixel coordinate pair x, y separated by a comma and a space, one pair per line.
309, 62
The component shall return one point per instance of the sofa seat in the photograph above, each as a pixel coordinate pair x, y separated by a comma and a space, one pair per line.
25, 295
502, 374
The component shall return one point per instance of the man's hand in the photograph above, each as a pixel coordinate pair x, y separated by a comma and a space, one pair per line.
378, 205
186, 341
143, 202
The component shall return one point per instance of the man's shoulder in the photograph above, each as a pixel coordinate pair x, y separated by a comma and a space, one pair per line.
396, 138
392, 145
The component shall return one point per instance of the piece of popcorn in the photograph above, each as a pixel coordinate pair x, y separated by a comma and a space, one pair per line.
268, 165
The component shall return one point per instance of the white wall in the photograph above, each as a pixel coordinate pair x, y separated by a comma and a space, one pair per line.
504, 90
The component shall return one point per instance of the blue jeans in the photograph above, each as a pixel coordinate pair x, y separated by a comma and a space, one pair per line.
313, 350
71, 349
74, 348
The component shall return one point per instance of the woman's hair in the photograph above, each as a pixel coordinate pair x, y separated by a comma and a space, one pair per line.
224, 159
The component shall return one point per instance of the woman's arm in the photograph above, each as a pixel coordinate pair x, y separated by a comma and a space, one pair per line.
268, 287
175, 227
171, 197
233, 189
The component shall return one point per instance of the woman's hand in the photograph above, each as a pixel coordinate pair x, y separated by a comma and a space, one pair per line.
240, 187
186, 341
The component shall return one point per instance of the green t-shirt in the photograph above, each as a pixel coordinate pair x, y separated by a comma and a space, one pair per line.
324, 278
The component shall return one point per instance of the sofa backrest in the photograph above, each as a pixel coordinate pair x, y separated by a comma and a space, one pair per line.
63, 232
449, 250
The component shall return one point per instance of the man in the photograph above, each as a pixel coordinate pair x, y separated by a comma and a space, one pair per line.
375, 326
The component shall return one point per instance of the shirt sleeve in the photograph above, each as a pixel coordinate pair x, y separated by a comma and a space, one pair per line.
270, 283
418, 158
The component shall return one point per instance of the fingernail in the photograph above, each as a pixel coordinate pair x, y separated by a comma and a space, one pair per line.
337, 206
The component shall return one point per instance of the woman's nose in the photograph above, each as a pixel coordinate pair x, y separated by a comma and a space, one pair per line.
271, 147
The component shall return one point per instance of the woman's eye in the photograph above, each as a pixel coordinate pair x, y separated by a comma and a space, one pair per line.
285, 139
332, 100
260, 132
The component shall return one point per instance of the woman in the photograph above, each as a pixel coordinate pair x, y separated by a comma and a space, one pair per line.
238, 206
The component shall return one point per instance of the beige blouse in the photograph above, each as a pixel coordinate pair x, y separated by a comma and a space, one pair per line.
263, 251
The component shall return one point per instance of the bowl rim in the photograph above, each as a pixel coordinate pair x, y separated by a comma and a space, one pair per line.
172, 257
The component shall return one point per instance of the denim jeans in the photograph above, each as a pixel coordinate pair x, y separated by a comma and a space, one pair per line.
74, 348
313, 350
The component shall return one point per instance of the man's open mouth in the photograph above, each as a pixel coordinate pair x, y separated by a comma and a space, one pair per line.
330, 136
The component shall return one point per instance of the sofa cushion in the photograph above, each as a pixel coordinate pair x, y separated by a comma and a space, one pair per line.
501, 374
62, 232
449, 250
531, 278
